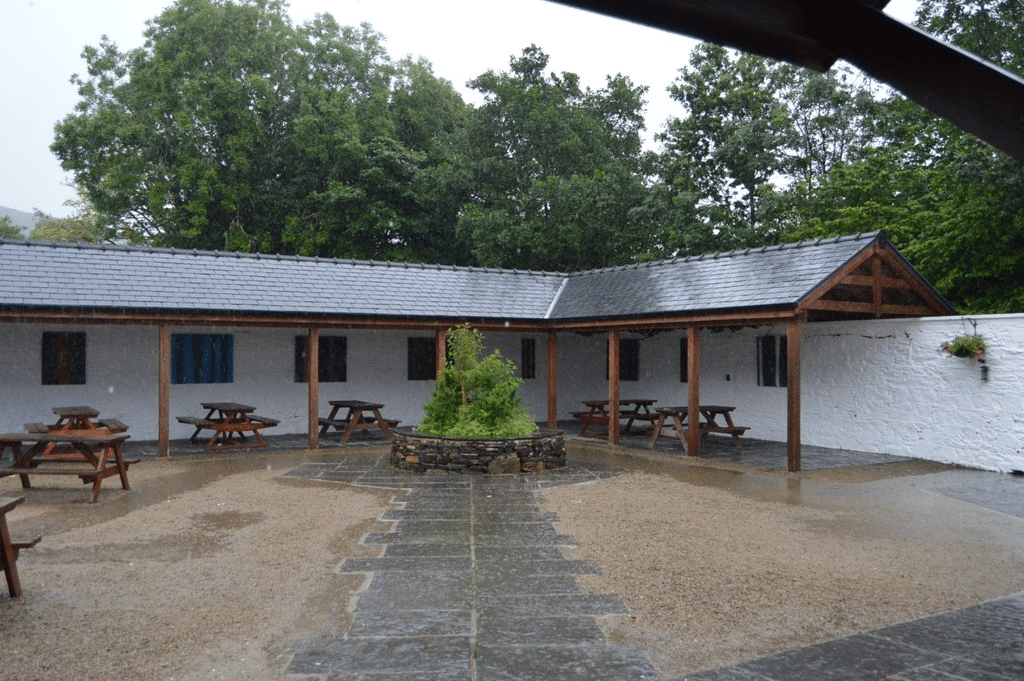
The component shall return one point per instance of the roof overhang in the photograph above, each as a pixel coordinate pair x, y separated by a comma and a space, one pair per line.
977, 96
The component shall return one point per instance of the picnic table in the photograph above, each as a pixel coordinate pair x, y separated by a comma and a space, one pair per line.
361, 416
229, 422
100, 457
9, 548
710, 424
81, 420
630, 410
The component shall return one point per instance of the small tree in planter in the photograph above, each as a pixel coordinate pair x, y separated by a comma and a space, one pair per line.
476, 398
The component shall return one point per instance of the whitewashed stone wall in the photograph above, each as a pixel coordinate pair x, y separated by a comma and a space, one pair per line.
879, 386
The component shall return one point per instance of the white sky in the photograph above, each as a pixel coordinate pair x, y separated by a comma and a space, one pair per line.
41, 44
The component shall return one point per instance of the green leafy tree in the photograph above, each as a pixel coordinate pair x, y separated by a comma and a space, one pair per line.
9, 230
951, 203
555, 170
230, 128
729, 145
83, 225
474, 397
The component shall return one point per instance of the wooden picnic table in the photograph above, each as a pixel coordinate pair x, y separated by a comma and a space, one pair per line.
80, 420
709, 423
360, 416
229, 421
631, 410
100, 458
9, 547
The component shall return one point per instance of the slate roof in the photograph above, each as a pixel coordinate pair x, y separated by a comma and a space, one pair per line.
61, 276
769, 277
52, 276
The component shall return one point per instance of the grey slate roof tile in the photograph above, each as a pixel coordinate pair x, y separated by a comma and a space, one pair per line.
34, 275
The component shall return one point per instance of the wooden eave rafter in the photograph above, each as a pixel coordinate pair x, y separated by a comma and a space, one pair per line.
889, 277
760, 317
201, 318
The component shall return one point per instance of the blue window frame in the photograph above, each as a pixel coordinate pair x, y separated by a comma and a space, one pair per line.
202, 358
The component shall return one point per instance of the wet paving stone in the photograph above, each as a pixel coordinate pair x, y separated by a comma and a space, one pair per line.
471, 583
565, 663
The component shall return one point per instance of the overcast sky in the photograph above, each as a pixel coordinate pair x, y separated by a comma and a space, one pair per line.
42, 42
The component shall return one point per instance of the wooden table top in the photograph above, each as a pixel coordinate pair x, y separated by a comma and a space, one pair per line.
355, 404
228, 406
81, 411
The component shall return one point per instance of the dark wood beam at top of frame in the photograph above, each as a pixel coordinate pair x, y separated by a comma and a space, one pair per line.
977, 96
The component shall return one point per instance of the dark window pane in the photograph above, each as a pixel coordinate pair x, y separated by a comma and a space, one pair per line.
529, 355
332, 364
63, 355
684, 360
422, 359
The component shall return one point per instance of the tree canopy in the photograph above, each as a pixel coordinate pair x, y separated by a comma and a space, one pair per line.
233, 128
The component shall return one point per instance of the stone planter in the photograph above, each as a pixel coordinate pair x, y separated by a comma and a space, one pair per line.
412, 450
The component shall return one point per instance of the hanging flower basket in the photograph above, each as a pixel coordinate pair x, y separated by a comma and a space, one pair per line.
971, 345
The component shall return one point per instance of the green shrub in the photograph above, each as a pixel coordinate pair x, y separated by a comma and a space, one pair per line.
476, 398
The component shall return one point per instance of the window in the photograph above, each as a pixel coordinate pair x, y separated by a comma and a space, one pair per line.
202, 358
629, 359
771, 361
684, 360
63, 358
529, 356
332, 359
422, 359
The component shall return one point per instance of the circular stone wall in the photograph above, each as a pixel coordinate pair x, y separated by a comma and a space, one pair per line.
412, 450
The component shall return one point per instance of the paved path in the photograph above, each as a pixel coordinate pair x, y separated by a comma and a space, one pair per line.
472, 585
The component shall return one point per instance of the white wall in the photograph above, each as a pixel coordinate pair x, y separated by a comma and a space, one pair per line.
880, 386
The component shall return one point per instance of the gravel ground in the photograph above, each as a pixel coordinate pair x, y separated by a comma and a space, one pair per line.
717, 574
217, 569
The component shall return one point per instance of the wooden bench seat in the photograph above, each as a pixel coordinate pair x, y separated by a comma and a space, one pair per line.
735, 431
36, 427
18, 544
113, 425
197, 421
264, 420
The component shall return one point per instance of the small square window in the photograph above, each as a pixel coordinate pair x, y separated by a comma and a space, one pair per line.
202, 358
629, 360
63, 358
332, 361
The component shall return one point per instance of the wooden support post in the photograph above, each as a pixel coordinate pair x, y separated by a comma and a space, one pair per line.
164, 390
693, 390
313, 380
441, 349
793, 336
552, 380
613, 387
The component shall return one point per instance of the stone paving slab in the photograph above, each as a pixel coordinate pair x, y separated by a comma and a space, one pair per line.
564, 663
999, 492
983, 642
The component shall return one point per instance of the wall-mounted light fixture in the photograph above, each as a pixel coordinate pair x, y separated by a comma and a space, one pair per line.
984, 372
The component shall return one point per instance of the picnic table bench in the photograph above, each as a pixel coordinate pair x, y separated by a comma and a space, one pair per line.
99, 457
10, 547
229, 422
362, 416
